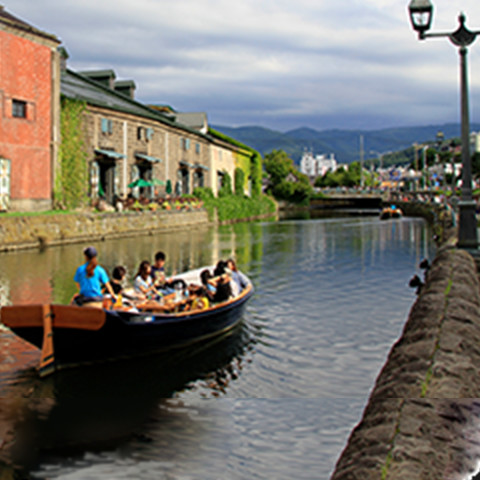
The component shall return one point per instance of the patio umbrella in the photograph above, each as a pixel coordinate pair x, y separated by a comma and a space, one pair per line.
140, 182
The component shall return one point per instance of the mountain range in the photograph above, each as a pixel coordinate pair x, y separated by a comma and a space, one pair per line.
344, 144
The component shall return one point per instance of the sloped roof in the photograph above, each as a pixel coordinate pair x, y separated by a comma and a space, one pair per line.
77, 86
10, 20
196, 120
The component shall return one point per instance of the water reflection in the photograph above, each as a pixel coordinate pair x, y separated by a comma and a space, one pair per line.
100, 407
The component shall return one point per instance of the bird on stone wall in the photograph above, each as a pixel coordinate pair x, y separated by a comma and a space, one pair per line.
416, 282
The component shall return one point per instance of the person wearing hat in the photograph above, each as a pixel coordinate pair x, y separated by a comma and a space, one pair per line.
90, 277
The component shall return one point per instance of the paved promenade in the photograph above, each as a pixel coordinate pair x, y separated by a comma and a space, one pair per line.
422, 420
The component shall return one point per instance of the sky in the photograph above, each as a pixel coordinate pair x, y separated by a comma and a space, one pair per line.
279, 64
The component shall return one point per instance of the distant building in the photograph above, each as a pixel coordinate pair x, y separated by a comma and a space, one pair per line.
475, 142
318, 165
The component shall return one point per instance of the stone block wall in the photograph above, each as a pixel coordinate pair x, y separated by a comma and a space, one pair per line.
423, 416
48, 230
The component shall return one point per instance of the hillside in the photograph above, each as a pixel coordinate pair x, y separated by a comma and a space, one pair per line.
345, 144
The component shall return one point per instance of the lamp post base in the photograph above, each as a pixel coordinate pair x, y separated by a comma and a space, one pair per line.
467, 226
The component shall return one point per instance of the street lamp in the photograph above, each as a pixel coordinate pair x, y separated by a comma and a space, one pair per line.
421, 12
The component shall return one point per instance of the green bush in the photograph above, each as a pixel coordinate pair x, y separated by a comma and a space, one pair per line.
234, 207
203, 193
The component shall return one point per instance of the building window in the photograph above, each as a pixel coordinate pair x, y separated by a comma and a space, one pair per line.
185, 143
139, 133
148, 134
19, 109
107, 126
197, 148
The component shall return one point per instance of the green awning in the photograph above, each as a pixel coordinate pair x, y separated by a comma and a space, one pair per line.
148, 158
110, 153
140, 182
186, 164
203, 167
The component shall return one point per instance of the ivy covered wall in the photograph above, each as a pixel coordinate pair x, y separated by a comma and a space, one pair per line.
70, 188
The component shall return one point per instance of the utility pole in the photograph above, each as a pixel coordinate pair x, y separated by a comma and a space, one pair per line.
361, 162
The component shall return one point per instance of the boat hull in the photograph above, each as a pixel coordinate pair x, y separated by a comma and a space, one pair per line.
82, 335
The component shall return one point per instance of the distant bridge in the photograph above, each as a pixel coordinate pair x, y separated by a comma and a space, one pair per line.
348, 201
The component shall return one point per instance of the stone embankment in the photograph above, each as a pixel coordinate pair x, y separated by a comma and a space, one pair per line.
422, 420
48, 230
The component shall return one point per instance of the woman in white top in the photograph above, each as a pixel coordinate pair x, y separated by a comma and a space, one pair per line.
143, 283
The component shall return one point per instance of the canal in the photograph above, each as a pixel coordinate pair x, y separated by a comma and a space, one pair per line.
277, 398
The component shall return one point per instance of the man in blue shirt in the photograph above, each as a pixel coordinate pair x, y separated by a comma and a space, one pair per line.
90, 277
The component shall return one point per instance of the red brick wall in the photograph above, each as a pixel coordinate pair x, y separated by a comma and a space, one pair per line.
25, 74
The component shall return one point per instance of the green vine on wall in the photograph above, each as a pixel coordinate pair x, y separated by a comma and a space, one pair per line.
239, 182
71, 174
256, 173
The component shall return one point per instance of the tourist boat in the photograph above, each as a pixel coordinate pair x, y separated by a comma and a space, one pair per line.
390, 212
71, 335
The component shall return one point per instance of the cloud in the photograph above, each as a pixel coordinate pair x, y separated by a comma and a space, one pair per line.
282, 62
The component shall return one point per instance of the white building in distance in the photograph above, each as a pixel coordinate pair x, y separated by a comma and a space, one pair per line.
318, 165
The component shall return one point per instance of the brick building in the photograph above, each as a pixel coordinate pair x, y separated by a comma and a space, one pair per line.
29, 114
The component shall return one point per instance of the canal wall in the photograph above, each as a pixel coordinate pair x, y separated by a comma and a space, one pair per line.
25, 232
422, 420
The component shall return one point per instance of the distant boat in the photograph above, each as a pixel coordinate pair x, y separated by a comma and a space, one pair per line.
390, 212
71, 335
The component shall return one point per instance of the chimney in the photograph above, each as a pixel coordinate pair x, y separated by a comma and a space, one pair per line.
62, 51
126, 87
105, 77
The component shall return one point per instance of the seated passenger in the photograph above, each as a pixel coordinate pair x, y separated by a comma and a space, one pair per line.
237, 277
123, 298
90, 277
143, 283
118, 276
210, 289
224, 290
198, 300
218, 287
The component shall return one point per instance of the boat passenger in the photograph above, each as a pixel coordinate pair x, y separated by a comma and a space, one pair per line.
159, 278
118, 277
237, 277
143, 283
124, 298
157, 271
220, 268
198, 300
90, 277
218, 286
210, 289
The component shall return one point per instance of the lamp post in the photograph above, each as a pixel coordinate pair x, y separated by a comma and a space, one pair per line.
421, 12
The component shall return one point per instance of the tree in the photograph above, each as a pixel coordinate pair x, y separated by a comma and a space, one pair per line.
279, 166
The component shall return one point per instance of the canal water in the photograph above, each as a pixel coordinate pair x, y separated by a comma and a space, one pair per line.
276, 399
